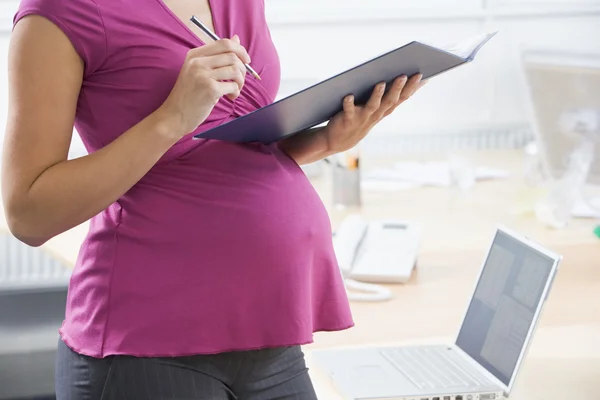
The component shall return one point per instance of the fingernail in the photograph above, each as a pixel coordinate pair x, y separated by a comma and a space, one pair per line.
350, 99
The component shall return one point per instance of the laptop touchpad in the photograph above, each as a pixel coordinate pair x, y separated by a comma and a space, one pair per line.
371, 372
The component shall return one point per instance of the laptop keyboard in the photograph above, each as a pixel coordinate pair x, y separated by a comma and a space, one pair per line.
432, 367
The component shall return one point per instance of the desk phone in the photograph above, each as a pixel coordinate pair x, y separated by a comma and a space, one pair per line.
377, 251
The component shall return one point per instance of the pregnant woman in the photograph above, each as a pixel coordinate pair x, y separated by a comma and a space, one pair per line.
207, 264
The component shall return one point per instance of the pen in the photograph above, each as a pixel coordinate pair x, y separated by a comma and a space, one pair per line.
352, 163
352, 160
336, 162
213, 36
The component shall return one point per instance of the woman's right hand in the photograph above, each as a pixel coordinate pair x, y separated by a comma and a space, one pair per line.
208, 73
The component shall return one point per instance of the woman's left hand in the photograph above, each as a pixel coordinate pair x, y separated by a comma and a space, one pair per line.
351, 125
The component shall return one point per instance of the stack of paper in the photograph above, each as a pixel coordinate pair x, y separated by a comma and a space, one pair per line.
406, 175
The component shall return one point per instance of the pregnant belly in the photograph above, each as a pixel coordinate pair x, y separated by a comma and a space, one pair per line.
227, 245
225, 204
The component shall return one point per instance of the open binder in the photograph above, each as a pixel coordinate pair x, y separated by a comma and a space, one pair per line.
319, 103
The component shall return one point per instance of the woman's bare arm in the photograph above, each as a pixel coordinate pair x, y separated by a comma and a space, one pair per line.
348, 127
45, 194
307, 147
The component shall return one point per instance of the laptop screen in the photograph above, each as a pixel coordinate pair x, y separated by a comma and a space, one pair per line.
503, 307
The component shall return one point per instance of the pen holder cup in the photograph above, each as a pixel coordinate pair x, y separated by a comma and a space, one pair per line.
346, 187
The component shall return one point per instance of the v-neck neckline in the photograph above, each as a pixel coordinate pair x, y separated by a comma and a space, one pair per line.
213, 16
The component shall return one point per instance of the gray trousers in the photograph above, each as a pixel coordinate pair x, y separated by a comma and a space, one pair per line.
270, 374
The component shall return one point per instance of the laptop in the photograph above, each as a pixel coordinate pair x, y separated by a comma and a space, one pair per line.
484, 361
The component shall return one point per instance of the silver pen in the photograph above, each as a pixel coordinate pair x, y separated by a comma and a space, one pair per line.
213, 36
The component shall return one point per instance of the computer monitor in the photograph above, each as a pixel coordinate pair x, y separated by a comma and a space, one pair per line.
563, 89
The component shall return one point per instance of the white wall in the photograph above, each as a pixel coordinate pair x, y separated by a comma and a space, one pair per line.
318, 38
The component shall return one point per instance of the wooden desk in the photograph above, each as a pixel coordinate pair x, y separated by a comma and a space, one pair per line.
444, 213
564, 362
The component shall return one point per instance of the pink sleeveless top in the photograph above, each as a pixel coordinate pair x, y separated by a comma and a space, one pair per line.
221, 246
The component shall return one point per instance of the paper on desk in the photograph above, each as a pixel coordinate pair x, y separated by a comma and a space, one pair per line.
375, 185
413, 174
586, 209
417, 174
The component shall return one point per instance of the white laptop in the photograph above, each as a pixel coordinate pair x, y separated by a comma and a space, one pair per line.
484, 361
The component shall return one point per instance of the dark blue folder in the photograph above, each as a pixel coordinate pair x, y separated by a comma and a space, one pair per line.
319, 103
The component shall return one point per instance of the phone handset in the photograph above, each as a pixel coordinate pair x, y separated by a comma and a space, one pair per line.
347, 241
347, 245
